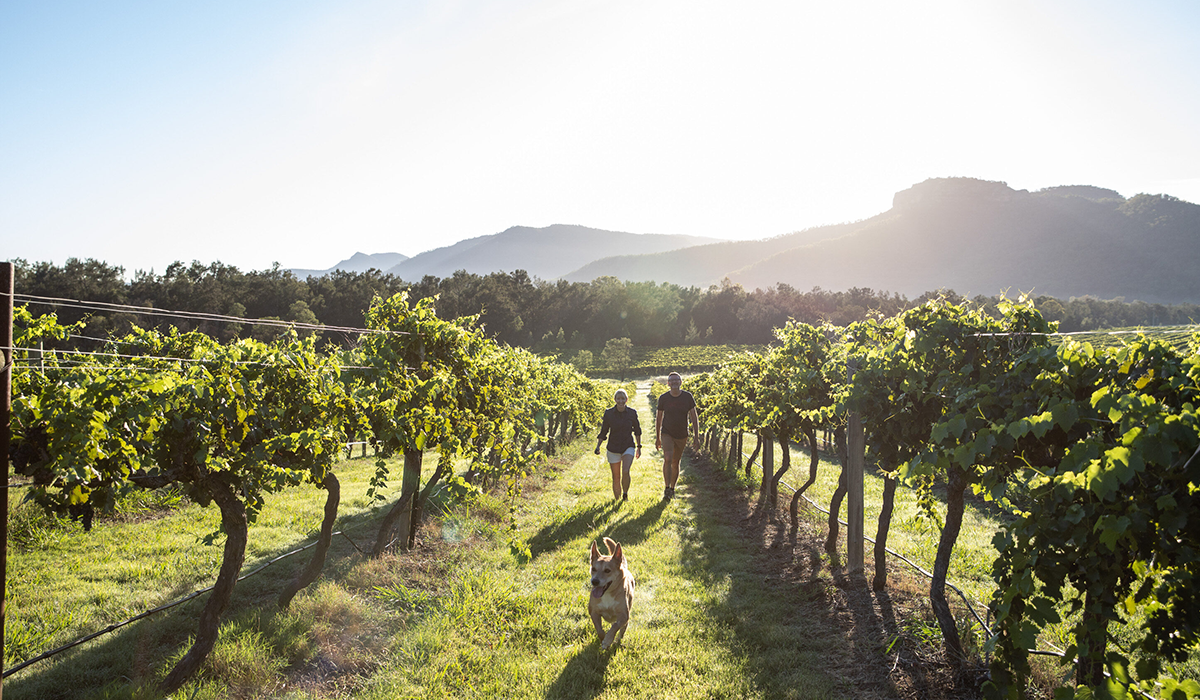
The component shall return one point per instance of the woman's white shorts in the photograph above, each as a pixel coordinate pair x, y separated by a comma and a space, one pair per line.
614, 457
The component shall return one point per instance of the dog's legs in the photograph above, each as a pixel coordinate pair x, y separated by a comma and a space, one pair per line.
599, 626
618, 627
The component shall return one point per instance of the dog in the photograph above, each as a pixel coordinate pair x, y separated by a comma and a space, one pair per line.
612, 593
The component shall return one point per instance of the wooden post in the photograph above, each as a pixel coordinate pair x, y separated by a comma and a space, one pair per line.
856, 455
6, 357
767, 439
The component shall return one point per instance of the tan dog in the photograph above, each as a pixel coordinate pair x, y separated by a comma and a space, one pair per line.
612, 592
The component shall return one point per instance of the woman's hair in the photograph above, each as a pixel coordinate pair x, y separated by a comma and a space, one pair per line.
621, 392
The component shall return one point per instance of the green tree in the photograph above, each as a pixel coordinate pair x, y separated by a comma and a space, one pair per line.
618, 356
583, 361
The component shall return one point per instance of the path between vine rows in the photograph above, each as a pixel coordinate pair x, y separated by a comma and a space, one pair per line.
832, 624
866, 644
860, 624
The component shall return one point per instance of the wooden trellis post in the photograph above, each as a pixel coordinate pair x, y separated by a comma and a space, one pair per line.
856, 455
6, 358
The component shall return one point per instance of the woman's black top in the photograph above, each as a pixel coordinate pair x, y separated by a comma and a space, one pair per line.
620, 427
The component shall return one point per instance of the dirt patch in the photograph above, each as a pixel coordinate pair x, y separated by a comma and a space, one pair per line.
891, 644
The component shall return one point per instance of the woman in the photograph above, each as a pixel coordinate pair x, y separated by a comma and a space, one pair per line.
620, 425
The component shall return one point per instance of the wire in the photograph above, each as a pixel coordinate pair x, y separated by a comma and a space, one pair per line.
194, 315
1144, 331
116, 626
28, 362
901, 557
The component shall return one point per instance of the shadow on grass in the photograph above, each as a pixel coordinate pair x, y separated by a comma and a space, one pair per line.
639, 529
583, 676
574, 525
778, 607
136, 652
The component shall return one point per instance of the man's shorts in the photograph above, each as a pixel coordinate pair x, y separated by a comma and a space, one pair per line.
614, 457
673, 446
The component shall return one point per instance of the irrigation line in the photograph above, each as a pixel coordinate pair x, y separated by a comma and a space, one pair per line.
906, 560
161, 608
901, 557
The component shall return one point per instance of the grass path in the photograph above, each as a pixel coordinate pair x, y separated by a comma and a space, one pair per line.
706, 623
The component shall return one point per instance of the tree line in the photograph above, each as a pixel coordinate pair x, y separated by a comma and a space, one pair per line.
514, 308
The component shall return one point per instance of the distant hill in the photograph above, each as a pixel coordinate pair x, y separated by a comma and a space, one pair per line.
359, 262
972, 236
547, 253
700, 265
978, 237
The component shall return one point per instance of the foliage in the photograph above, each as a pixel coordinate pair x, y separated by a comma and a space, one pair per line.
617, 356
231, 423
1096, 455
583, 360
1112, 446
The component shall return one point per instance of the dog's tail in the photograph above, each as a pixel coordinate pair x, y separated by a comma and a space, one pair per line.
612, 546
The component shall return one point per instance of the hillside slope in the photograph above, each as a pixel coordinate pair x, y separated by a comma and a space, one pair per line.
983, 238
702, 265
972, 236
359, 262
547, 253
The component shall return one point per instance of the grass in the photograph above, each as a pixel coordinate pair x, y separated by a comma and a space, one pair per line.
461, 616
65, 583
701, 626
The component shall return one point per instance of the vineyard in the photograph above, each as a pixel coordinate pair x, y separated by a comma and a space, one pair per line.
1091, 458
1086, 456
1176, 336
651, 361
229, 425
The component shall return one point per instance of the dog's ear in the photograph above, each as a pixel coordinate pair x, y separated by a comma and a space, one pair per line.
595, 551
618, 555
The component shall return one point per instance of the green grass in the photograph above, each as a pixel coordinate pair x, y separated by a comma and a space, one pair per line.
64, 583
701, 625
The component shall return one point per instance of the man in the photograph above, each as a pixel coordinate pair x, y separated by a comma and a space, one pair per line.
676, 411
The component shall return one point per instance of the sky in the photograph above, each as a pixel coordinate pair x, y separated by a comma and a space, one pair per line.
299, 132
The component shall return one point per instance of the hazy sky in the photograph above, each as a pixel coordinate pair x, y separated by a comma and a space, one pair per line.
300, 132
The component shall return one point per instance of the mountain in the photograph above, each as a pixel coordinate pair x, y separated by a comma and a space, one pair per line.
700, 265
359, 262
972, 236
979, 237
547, 253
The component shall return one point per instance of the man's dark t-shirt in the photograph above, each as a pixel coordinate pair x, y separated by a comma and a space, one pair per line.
675, 413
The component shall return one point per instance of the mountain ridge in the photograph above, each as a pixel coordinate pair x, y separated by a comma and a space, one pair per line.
970, 235
546, 253
359, 262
